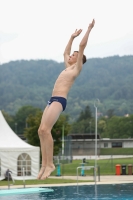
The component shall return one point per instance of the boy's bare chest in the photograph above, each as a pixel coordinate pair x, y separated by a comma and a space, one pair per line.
67, 75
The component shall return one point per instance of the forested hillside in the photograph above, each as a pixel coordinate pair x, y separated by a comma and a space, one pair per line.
30, 83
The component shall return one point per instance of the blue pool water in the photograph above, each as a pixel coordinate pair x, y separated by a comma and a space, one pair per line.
86, 192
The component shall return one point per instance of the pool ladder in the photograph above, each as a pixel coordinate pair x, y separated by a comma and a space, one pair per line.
9, 174
94, 174
88, 168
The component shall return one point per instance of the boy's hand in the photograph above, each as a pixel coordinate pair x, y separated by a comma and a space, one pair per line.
76, 33
91, 25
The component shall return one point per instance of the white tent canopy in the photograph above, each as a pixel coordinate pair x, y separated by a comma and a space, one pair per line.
17, 155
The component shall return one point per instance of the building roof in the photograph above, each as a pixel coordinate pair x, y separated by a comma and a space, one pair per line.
84, 136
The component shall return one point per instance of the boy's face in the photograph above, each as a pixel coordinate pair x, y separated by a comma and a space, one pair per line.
73, 58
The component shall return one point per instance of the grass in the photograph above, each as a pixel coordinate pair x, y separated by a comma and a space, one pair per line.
107, 167
37, 182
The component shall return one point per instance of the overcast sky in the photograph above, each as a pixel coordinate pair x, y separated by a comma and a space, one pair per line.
40, 29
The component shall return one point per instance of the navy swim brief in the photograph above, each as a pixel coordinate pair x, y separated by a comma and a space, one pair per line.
61, 100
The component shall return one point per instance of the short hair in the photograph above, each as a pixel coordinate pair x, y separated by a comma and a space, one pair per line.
83, 58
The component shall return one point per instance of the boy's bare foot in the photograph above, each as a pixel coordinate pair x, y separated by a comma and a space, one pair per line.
47, 172
41, 172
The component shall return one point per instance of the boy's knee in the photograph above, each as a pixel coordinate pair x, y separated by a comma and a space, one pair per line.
43, 131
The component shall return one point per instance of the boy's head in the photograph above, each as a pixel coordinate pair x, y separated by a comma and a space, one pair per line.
74, 56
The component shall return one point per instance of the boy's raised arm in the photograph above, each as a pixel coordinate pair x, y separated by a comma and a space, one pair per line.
84, 41
83, 44
69, 45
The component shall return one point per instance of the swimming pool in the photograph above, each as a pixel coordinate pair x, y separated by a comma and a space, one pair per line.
85, 192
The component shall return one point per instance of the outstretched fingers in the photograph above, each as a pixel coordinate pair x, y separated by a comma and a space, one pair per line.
91, 25
79, 31
93, 22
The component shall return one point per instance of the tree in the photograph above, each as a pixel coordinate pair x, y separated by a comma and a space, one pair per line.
22, 116
110, 113
57, 132
31, 132
84, 123
85, 114
116, 127
102, 127
9, 119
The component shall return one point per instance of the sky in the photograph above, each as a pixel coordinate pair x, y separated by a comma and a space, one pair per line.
40, 29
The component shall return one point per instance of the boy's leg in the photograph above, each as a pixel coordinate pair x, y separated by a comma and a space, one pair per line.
51, 116
43, 150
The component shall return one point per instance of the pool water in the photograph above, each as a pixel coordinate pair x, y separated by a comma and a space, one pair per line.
86, 192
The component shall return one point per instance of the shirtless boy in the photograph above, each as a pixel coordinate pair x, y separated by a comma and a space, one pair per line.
58, 101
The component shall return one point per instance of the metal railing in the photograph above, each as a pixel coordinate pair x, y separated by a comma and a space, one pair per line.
88, 168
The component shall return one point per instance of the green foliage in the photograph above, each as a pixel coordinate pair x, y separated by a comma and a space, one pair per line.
9, 119
28, 120
116, 127
31, 132
110, 113
31, 82
42, 182
84, 126
60, 126
102, 126
85, 114
22, 115
84, 123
